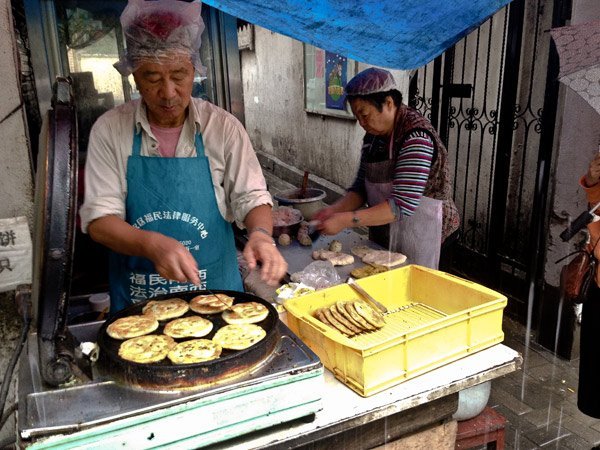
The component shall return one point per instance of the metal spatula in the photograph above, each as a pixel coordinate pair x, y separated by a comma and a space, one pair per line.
219, 300
359, 290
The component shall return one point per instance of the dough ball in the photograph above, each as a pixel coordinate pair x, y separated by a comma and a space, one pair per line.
304, 239
284, 239
335, 246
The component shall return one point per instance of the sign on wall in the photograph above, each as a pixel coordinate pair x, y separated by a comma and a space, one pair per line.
15, 253
335, 82
325, 77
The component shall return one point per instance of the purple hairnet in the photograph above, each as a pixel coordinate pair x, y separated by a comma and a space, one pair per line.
160, 31
371, 81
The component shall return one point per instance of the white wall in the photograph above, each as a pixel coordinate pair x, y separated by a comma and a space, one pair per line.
15, 169
273, 78
16, 185
577, 142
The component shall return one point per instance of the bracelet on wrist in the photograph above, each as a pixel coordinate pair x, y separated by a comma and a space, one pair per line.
261, 230
355, 219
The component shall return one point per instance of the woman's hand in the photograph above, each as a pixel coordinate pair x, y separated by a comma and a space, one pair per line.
261, 248
335, 223
593, 174
323, 214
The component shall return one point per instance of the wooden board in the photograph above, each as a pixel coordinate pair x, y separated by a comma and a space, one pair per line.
437, 437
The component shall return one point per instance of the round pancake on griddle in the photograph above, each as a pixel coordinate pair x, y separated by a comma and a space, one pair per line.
360, 250
239, 336
146, 349
186, 327
211, 304
132, 326
194, 351
166, 309
247, 312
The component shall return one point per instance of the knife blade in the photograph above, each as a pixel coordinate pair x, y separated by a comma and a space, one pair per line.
350, 282
313, 231
219, 299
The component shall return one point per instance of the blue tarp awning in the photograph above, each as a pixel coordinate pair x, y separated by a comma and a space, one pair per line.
398, 34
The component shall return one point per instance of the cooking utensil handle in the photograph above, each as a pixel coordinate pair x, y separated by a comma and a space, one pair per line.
219, 300
578, 224
365, 295
304, 185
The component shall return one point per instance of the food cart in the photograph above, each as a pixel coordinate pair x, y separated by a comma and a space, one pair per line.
72, 396
69, 397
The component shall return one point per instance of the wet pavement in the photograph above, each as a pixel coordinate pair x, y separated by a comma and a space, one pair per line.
539, 401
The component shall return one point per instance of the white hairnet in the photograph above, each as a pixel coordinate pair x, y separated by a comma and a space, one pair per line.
160, 30
371, 81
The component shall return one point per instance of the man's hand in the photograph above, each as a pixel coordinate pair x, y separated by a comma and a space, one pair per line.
261, 248
593, 174
171, 259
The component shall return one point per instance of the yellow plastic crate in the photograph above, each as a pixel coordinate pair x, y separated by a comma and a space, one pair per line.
433, 318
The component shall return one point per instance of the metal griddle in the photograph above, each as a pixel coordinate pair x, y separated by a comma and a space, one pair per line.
68, 400
166, 375
106, 413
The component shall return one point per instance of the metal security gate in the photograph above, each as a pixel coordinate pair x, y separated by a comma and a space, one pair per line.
486, 96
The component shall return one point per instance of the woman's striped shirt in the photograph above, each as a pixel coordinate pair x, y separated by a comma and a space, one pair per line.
414, 158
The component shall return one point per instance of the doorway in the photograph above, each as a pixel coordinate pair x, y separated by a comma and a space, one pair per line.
493, 102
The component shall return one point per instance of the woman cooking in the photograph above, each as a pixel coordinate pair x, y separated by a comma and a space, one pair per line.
403, 175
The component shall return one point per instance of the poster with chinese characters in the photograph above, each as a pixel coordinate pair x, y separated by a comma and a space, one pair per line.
145, 286
336, 73
15, 253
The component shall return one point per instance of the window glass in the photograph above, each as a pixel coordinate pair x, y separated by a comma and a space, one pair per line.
325, 77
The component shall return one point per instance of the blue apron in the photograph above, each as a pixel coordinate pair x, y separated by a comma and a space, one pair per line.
175, 197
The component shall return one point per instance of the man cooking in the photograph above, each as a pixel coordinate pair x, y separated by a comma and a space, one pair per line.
165, 175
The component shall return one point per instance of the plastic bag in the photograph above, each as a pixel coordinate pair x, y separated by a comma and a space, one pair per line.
160, 30
318, 274
291, 290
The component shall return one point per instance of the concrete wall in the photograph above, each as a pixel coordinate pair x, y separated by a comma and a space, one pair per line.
15, 169
16, 185
273, 79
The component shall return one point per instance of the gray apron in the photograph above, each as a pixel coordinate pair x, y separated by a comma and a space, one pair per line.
419, 236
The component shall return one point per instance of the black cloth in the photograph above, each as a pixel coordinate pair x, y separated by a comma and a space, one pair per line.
588, 395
